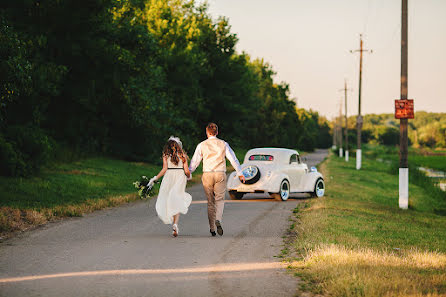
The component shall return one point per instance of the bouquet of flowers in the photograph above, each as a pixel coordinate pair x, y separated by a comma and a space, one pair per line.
145, 189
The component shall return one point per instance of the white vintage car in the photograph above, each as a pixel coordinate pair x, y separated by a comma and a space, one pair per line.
277, 171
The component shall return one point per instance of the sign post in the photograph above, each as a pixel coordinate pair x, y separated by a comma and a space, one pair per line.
404, 111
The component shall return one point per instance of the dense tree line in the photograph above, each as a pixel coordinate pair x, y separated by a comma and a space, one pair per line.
427, 129
118, 77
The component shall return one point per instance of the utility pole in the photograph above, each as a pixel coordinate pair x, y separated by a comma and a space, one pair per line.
334, 134
340, 130
359, 120
345, 89
404, 168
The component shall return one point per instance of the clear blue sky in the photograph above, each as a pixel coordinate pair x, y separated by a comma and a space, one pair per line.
308, 41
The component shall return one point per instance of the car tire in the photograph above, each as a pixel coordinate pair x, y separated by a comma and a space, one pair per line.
319, 188
234, 195
284, 192
249, 180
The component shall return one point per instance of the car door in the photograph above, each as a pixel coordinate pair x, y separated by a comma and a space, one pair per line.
297, 172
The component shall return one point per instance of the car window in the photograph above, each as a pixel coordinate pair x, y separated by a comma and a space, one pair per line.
261, 158
294, 159
299, 160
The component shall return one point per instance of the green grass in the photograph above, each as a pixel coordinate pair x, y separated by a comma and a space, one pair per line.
363, 208
356, 241
69, 189
417, 157
74, 183
434, 162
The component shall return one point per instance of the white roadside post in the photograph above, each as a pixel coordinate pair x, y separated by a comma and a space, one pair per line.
358, 150
346, 156
403, 200
341, 152
358, 159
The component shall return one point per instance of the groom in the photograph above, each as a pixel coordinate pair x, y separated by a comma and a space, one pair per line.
213, 152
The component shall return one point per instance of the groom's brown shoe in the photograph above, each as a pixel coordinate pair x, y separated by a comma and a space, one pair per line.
219, 228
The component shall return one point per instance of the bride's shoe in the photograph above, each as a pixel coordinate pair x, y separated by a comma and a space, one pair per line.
175, 229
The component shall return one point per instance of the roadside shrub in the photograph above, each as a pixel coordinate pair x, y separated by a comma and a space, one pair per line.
24, 150
387, 135
11, 161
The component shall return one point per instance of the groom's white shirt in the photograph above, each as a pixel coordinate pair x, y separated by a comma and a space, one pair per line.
198, 156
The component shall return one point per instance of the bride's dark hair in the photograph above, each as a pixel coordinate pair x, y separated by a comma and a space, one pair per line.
173, 150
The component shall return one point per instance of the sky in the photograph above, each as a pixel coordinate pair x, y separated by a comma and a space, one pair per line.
308, 44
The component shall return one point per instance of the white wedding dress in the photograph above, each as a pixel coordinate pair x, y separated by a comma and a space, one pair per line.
172, 198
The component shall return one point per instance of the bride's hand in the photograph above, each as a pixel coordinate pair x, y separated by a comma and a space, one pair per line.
152, 181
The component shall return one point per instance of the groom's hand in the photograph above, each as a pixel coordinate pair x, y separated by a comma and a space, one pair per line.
242, 178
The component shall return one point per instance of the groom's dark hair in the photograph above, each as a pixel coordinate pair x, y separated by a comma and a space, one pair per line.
212, 128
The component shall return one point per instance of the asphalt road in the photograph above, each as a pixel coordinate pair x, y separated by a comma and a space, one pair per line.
128, 251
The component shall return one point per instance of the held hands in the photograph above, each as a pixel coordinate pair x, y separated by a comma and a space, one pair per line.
189, 177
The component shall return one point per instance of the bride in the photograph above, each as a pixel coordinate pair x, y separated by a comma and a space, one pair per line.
172, 198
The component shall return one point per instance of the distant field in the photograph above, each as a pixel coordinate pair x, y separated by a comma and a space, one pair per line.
357, 242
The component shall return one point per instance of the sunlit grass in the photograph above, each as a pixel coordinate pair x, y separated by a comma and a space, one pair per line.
340, 271
67, 190
355, 241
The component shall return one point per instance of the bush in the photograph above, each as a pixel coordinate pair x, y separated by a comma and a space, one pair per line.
387, 135
24, 150
11, 161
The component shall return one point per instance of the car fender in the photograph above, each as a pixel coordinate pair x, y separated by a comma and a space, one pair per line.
233, 182
270, 184
275, 180
309, 181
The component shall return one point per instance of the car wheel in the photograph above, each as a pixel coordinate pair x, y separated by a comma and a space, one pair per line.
284, 193
319, 188
251, 173
236, 195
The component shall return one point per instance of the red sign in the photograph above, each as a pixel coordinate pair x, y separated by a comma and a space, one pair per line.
404, 109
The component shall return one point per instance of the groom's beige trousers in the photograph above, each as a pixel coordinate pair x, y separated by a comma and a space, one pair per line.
214, 184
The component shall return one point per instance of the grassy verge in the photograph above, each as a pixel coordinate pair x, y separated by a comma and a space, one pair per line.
355, 241
68, 190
